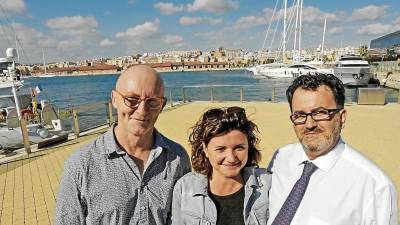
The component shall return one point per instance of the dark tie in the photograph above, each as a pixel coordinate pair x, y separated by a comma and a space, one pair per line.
292, 202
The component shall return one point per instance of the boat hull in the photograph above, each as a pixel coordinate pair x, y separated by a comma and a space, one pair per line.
353, 76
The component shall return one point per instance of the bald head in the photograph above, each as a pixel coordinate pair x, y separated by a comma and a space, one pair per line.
140, 77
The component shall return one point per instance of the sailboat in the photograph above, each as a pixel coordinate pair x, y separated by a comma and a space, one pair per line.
45, 68
296, 67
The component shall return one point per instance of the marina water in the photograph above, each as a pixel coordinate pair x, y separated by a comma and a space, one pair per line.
87, 94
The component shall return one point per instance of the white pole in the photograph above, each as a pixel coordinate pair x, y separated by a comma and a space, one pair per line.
284, 31
296, 30
11, 71
301, 15
16, 46
323, 40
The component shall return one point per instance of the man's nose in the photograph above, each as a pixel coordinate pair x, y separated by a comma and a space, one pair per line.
310, 122
142, 107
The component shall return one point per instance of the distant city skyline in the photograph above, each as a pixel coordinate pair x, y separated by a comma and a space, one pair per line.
76, 30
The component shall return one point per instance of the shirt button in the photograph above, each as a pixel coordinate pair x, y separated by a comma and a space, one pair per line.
143, 207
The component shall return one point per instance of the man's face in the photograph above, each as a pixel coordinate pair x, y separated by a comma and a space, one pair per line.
139, 120
317, 137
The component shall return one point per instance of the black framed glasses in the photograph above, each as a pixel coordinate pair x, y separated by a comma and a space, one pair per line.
134, 101
217, 113
319, 114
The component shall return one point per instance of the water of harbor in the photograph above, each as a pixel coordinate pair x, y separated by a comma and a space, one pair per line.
87, 94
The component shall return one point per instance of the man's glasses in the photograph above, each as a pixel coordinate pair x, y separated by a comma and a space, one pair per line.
320, 114
134, 101
218, 113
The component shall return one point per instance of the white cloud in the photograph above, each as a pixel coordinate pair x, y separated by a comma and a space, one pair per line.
106, 43
213, 6
375, 29
397, 22
370, 12
13, 6
141, 31
313, 15
73, 22
186, 20
175, 40
249, 21
335, 30
168, 8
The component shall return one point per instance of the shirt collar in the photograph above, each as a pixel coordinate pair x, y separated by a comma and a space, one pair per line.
200, 186
327, 161
112, 148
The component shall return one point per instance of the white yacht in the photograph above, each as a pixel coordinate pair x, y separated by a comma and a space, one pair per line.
44, 130
292, 71
353, 70
5, 79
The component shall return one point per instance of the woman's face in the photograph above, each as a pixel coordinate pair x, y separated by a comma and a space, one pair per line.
228, 154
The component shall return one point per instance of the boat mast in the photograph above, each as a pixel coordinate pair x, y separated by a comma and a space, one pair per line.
323, 40
44, 63
301, 15
284, 32
295, 31
16, 46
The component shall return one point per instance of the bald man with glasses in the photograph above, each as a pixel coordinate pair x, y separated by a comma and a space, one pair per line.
127, 175
322, 180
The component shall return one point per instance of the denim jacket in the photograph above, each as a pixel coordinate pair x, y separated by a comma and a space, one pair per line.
192, 205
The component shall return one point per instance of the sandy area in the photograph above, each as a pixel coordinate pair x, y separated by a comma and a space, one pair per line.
373, 130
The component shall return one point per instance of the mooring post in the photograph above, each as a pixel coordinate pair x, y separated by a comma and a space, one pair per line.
170, 99
110, 114
273, 94
75, 122
25, 137
183, 95
241, 95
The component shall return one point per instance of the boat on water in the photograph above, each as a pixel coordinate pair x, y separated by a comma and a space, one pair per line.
354, 71
5, 79
290, 71
43, 124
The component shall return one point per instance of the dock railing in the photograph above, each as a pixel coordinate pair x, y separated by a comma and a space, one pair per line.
85, 117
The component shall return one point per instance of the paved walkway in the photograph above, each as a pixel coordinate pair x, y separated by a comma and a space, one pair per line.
29, 184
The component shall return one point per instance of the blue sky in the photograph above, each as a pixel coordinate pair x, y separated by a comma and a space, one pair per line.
80, 29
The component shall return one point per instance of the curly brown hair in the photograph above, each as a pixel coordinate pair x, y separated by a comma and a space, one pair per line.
216, 122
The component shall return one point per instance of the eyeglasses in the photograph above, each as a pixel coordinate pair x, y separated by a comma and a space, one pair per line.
217, 113
320, 114
134, 101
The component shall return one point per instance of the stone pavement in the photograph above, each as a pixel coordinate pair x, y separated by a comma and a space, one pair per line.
29, 184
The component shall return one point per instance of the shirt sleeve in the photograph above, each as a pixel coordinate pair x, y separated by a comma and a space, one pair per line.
176, 205
70, 208
382, 209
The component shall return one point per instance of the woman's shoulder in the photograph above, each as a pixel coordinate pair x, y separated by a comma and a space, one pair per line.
191, 179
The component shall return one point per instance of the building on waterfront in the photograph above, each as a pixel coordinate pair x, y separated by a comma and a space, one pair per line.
386, 42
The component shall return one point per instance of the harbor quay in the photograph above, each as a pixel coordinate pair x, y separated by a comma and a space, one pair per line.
29, 183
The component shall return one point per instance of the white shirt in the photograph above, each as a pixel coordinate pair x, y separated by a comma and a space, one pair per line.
346, 189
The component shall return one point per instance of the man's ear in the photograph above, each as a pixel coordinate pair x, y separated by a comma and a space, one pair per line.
343, 115
113, 99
